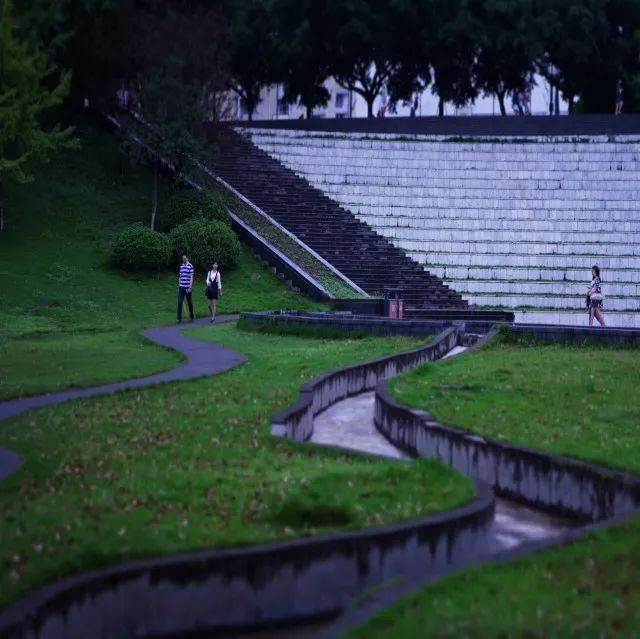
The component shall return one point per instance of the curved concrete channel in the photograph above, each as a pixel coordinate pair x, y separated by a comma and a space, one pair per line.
349, 424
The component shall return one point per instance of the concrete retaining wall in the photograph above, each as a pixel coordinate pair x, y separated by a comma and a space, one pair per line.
195, 593
296, 422
578, 334
276, 259
350, 323
537, 478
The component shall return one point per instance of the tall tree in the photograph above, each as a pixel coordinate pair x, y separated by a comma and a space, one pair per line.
371, 42
508, 47
451, 42
410, 21
569, 33
167, 126
303, 34
26, 95
169, 91
252, 50
61, 27
588, 46
619, 59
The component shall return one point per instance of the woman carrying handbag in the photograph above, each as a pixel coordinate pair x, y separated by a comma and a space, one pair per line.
214, 289
596, 299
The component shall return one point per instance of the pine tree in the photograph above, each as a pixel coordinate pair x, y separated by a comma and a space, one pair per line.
25, 95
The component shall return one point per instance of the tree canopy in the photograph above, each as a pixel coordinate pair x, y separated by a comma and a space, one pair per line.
461, 48
27, 93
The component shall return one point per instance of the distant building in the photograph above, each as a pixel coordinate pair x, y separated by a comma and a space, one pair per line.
343, 103
272, 106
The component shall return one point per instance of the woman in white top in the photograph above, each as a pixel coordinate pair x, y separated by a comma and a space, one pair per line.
594, 291
214, 289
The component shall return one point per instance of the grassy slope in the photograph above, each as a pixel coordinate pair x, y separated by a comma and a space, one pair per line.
191, 464
57, 288
576, 400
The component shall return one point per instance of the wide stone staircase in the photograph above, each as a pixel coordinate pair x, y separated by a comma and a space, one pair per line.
364, 256
507, 222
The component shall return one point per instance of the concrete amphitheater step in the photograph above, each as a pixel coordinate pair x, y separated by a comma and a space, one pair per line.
535, 213
429, 219
526, 274
552, 302
526, 260
526, 247
411, 215
524, 287
346, 242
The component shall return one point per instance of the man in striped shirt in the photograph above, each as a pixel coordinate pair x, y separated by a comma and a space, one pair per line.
185, 286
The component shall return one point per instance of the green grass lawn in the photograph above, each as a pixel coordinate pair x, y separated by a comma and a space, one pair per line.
580, 401
29, 366
58, 289
191, 465
589, 590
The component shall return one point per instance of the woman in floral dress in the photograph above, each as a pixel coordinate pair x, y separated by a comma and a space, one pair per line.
596, 299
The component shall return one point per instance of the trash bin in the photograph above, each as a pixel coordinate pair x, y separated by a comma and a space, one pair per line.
393, 304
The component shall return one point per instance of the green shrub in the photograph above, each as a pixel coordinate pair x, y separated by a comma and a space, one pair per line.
205, 241
188, 204
138, 248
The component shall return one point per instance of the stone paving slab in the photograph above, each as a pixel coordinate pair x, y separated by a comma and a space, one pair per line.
203, 358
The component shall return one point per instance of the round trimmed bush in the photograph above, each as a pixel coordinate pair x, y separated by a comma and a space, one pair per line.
189, 204
138, 248
206, 241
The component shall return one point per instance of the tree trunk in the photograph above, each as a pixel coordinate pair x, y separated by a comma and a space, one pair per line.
500, 96
440, 107
154, 198
570, 103
370, 105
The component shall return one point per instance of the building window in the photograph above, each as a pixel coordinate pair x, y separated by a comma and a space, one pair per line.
283, 108
341, 101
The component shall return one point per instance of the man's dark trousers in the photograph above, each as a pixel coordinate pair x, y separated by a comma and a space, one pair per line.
182, 293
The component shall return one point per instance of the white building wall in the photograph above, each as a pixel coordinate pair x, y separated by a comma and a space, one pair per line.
271, 106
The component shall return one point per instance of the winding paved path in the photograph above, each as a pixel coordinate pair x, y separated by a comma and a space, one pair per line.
203, 358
